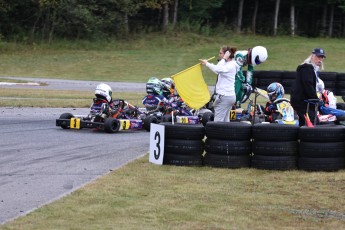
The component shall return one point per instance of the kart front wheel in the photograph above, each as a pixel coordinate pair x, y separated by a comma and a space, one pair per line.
111, 125
64, 124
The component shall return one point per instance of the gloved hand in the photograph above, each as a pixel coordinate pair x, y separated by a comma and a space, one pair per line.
271, 108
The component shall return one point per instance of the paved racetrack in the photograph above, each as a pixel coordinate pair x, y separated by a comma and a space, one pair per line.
40, 162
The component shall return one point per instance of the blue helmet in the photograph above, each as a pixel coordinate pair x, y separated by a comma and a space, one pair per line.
275, 91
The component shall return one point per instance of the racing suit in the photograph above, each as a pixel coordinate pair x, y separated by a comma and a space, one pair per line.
241, 59
155, 103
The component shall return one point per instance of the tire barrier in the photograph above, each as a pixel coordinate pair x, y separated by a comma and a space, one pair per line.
260, 146
322, 148
275, 146
227, 144
334, 81
184, 144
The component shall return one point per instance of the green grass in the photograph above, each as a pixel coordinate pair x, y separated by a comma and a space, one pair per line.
155, 55
142, 195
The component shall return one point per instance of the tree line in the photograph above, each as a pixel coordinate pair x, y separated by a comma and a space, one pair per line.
46, 20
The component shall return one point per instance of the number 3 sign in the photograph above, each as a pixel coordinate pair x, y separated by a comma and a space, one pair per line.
157, 143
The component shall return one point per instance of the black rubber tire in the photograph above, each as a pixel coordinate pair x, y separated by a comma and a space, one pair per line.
111, 125
168, 118
182, 160
275, 132
148, 120
321, 164
206, 117
66, 116
225, 161
341, 105
275, 148
274, 162
228, 130
333, 133
184, 147
328, 76
227, 147
184, 131
320, 150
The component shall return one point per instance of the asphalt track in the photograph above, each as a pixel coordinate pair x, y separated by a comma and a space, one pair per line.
40, 163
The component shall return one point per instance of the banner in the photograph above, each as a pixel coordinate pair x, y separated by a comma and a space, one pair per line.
191, 87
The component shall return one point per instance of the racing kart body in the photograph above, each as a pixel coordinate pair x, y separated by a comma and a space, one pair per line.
111, 119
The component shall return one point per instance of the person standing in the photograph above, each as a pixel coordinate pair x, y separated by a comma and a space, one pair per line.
225, 87
305, 85
251, 57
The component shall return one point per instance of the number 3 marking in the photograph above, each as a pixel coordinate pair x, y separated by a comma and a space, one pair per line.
158, 139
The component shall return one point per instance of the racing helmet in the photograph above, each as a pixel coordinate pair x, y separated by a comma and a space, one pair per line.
275, 91
247, 90
258, 55
168, 86
154, 86
320, 86
104, 91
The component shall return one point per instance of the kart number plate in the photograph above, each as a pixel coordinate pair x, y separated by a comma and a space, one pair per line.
232, 115
184, 120
125, 124
74, 123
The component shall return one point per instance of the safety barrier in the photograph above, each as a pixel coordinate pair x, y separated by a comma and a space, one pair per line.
333, 81
261, 146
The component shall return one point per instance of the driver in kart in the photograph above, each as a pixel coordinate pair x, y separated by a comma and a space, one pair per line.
103, 95
154, 100
275, 91
118, 108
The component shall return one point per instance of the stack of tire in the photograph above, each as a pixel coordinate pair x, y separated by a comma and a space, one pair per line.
340, 84
183, 144
322, 148
227, 144
275, 146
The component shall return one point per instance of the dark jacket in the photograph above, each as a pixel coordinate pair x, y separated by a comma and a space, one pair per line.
304, 87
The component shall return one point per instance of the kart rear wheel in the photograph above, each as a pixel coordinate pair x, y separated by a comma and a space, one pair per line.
65, 125
111, 125
206, 117
148, 120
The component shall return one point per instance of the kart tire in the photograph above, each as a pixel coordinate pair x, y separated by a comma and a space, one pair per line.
274, 162
228, 147
184, 147
182, 160
226, 161
66, 116
111, 125
333, 133
228, 130
320, 150
184, 131
206, 117
275, 132
276, 148
321, 164
148, 120
341, 105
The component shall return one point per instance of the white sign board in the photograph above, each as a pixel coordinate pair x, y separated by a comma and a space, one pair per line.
157, 136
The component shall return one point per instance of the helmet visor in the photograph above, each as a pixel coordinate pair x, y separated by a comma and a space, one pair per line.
257, 60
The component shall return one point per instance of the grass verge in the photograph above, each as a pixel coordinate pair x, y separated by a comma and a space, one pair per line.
142, 195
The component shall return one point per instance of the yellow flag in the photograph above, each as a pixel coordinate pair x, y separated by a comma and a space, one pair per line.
191, 87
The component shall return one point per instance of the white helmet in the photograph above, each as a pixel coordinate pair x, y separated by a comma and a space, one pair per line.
320, 86
258, 55
104, 91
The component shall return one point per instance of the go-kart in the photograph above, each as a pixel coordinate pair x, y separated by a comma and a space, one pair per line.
111, 119
255, 112
180, 112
